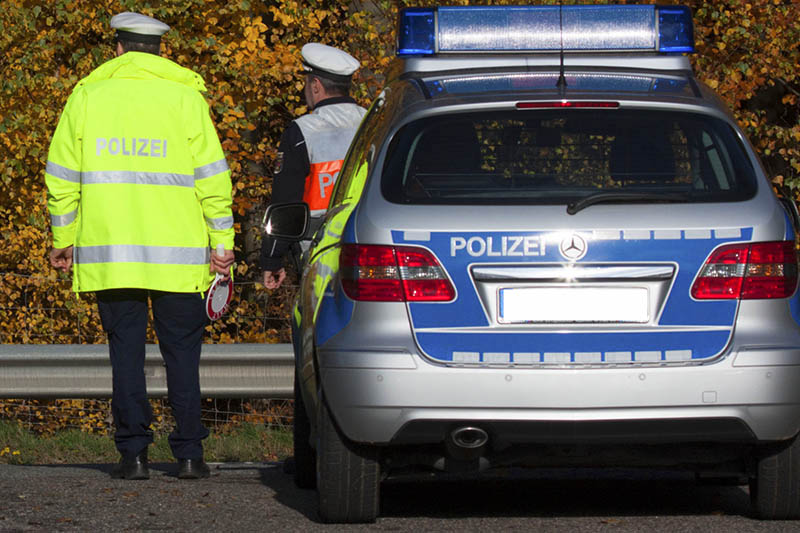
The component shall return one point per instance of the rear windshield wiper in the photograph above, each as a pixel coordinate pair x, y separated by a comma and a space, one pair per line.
624, 197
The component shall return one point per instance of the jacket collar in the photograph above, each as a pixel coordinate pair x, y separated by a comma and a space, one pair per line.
143, 66
334, 100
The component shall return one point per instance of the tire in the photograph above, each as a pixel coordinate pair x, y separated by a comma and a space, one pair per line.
305, 458
775, 491
348, 475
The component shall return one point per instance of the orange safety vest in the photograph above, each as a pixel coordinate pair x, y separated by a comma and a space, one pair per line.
319, 185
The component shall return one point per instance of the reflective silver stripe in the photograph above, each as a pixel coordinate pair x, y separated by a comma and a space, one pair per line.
157, 255
63, 220
211, 169
220, 223
137, 178
64, 173
329, 129
596, 272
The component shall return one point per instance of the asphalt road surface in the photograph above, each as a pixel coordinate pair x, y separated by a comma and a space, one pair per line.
261, 497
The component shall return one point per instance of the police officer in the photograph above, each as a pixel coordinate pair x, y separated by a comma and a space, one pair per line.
139, 193
312, 148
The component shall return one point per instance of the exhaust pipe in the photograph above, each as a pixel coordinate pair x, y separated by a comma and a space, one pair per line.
469, 438
465, 447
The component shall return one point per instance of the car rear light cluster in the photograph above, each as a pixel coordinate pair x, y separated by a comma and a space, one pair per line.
382, 273
749, 272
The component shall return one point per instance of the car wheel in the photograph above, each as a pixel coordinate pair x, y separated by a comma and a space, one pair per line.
305, 458
775, 491
348, 475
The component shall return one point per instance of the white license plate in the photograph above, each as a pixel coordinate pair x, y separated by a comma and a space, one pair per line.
573, 304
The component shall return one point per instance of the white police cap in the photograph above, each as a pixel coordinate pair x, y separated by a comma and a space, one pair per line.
328, 62
138, 28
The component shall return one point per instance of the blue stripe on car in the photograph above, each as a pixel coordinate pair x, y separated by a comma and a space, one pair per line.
689, 249
701, 344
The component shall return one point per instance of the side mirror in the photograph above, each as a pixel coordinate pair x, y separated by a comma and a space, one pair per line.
286, 221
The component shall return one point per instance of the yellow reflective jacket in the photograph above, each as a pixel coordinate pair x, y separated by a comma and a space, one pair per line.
137, 180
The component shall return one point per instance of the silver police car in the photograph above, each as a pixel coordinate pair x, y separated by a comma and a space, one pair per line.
549, 245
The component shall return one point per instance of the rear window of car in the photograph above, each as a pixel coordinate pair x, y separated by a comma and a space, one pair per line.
563, 155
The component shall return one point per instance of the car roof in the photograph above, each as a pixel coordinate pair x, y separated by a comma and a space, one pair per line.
672, 78
471, 81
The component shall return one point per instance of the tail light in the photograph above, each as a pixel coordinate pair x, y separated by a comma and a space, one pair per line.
749, 272
393, 274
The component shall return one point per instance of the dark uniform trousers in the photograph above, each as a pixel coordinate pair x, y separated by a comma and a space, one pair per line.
179, 320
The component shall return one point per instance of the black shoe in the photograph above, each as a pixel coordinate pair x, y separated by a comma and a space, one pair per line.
193, 469
132, 467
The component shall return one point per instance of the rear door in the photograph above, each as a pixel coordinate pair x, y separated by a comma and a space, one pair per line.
573, 237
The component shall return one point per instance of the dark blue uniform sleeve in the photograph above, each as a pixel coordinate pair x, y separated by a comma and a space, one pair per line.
288, 181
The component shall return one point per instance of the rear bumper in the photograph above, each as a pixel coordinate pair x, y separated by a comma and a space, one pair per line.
383, 397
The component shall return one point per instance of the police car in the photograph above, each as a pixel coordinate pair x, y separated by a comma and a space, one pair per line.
549, 245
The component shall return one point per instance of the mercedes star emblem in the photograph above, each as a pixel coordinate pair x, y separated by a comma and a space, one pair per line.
573, 247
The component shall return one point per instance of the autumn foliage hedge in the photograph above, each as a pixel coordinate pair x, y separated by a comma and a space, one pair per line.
247, 51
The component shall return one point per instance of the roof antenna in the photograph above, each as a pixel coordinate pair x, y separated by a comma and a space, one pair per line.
562, 80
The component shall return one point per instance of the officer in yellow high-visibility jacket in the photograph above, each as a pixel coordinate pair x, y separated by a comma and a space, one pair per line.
139, 193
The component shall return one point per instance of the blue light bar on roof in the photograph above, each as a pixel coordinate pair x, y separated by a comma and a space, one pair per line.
415, 31
675, 29
582, 28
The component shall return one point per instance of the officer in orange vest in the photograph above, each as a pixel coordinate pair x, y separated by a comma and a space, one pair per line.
312, 148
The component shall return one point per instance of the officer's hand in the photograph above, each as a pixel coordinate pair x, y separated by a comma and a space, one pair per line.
61, 258
222, 265
273, 280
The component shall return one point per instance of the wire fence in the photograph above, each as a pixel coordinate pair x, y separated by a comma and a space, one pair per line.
37, 309
46, 417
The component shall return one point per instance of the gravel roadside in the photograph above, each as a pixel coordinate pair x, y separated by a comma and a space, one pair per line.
248, 497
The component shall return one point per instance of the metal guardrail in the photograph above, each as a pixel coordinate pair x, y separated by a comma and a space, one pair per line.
84, 371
